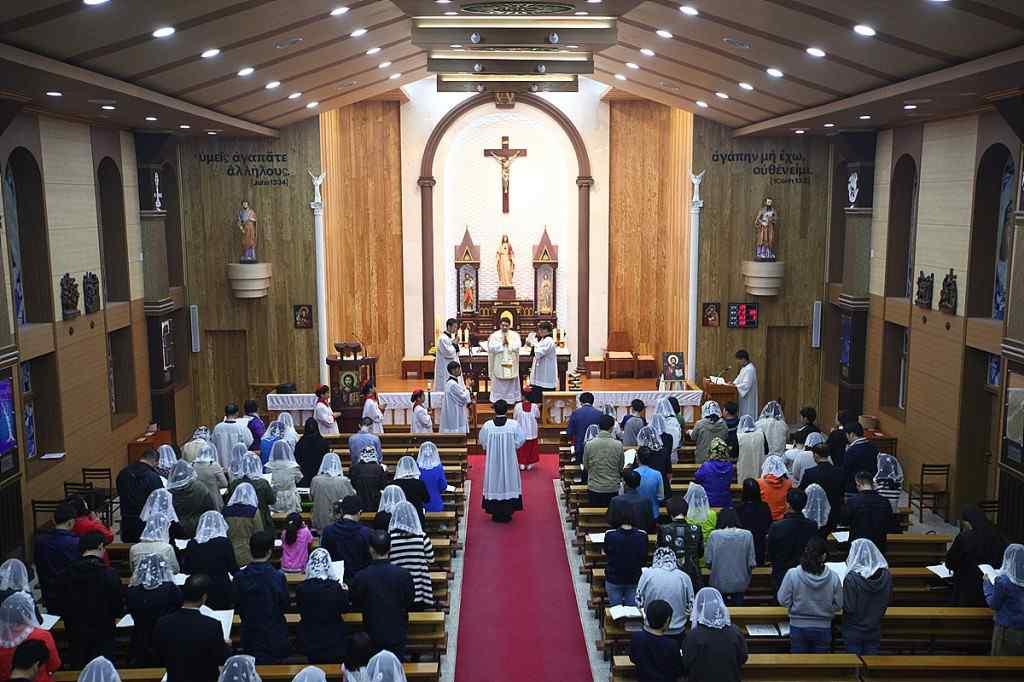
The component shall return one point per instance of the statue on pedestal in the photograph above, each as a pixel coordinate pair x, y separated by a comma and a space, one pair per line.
505, 262
69, 297
948, 295
925, 290
317, 181
91, 292
765, 232
247, 225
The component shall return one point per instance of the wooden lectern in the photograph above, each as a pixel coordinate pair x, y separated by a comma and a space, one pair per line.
720, 393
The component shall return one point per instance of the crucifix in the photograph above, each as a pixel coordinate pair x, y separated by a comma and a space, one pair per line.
157, 195
505, 156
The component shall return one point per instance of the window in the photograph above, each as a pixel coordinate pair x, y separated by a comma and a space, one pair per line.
31, 284
121, 373
904, 357
895, 357
113, 233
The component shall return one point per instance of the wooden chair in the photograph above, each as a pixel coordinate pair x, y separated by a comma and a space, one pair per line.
47, 507
990, 509
102, 479
932, 488
619, 357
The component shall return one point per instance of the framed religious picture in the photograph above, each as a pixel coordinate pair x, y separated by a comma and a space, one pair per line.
467, 289
711, 315
742, 316
303, 315
673, 368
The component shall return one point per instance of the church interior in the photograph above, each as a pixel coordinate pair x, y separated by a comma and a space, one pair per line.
689, 218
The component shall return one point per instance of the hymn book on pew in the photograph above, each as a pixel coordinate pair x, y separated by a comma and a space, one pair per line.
620, 612
338, 569
596, 538
941, 570
761, 630
989, 572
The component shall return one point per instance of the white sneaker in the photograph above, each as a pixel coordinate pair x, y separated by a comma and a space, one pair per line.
529, 467
522, 467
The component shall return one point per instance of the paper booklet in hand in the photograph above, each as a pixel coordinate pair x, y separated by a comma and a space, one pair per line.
989, 572
338, 567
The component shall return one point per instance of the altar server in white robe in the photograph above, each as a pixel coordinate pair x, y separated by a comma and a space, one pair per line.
457, 397
229, 432
323, 413
421, 421
503, 361
372, 411
544, 374
746, 385
447, 351
500, 438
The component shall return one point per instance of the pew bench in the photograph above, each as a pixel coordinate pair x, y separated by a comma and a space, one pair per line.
414, 672
774, 667
928, 668
405, 439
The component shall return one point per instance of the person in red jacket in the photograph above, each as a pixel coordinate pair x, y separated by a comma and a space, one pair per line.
18, 625
86, 521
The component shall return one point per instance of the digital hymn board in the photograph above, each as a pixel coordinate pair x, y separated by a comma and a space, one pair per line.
742, 316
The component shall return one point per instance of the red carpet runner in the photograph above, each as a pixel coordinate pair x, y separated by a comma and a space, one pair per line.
519, 620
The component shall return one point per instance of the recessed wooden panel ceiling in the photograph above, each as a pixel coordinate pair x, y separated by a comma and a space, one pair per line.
301, 45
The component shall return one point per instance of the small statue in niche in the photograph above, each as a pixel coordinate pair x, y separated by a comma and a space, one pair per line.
948, 295
925, 290
765, 232
247, 225
91, 292
852, 188
69, 297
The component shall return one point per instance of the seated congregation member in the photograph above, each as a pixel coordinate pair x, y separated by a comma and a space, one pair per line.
715, 649
812, 593
156, 539
707, 429
262, 601
808, 425
633, 422
837, 441
631, 504
830, 478
239, 668
818, 509
151, 595
868, 514
861, 455
364, 438
389, 499
603, 461
54, 550
166, 458
775, 485
800, 459
87, 521
699, 510
251, 472
729, 552
328, 486
867, 589
684, 538
1006, 598
321, 599
652, 485
385, 667
310, 451
421, 419
284, 477
134, 484
654, 443
244, 521
230, 431
428, 460
211, 554
773, 424
664, 580
755, 516
412, 549
656, 656
369, 477
525, 413
581, 419
91, 601
253, 421
668, 423
753, 449
347, 539
296, 540
978, 542
20, 632
191, 498
626, 549
188, 644
385, 593
788, 537
730, 415
407, 477
716, 474
210, 474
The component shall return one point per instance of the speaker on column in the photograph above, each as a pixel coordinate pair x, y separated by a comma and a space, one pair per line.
816, 325
193, 319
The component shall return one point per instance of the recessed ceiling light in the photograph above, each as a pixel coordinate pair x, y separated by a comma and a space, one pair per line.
662, 33
736, 42
455, 46
721, 95
338, 11
373, 51
359, 32
773, 72
185, 126
689, 11
746, 86
95, 2
594, 2
451, 14
799, 131
582, 14
394, 76
864, 30
442, 2
211, 132
313, 105
295, 95
383, 65
54, 93
163, 32
830, 125
272, 85
108, 107
632, 65
864, 117
620, 77
910, 107
210, 54
702, 104
247, 71
151, 118
816, 52
646, 52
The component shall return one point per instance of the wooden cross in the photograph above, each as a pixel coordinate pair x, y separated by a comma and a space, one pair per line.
505, 156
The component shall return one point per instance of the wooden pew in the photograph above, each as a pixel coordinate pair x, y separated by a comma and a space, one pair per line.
928, 668
405, 439
907, 549
414, 672
774, 667
444, 524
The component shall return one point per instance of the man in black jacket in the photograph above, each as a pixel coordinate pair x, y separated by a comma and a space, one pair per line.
788, 536
831, 478
134, 484
384, 593
189, 644
861, 455
262, 602
347, 539
631, 504
868, 514
91, 601
837, 438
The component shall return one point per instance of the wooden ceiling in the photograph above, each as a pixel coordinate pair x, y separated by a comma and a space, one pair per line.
108, 52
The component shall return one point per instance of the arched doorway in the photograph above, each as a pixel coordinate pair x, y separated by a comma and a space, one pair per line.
899, 250
113, 237
27, 238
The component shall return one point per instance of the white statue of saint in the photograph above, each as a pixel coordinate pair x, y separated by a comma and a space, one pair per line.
317, 181
696, 180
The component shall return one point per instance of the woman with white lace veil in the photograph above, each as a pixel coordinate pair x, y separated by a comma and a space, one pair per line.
664, 580
328, 486
159, 502
190, 449
773, 423
867, 590
389, 499
412, 549
99, 669
275, 432
753, 448
251, 472
310, 674
288, 423
244, 519
407, 477
19, 622
712, 630
155, 539
13, 578
699, 511
663, 408
385, 667
321, 600
239, 669
432, 474
285, 475
210, 473
817, 508
1004, 597
211, 554
236, 459
166, 457
191, 498
151, 594
709, 427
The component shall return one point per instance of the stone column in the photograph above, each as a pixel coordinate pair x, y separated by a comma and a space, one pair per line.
696, 204
321, 289
426, 184
583, 185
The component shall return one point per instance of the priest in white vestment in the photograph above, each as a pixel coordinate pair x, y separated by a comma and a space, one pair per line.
746, 385
372, 411
447, 351
230, 431
457, 397
544, 374
500, 438
503, 362
421, 421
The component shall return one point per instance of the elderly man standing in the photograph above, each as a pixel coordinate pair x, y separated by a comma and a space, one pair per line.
603, 460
